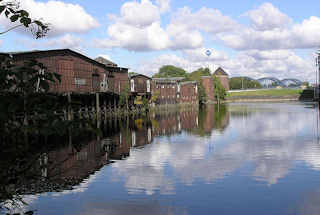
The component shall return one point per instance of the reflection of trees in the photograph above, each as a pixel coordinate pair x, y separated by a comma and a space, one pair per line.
212, 117
221, 117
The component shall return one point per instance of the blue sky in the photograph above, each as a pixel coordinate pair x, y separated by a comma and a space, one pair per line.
252, 38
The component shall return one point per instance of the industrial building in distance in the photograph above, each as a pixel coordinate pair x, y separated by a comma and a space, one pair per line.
83, 75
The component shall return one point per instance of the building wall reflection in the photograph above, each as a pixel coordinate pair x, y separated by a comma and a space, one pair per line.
80, 158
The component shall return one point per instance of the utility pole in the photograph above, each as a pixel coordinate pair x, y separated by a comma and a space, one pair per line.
318, 74
208, 53
242, 83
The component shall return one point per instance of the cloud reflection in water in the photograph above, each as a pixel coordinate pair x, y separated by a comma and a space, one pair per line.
272, 140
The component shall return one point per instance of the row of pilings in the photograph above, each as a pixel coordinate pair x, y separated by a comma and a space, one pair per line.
103, 106
97, 106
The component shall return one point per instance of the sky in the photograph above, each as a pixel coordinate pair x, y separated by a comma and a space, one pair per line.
276, 38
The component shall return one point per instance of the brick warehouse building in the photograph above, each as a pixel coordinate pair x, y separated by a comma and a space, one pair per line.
168, 89
207, 83
188, 92
79, 73
175, 90
224, 78
140, 85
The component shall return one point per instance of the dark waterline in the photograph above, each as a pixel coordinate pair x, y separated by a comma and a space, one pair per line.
253, 158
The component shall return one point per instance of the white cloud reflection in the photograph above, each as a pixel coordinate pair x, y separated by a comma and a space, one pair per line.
273, 140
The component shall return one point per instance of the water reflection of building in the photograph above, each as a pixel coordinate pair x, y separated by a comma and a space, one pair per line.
77, 160
68, 162
120, 146
213, 117
189, 120
202, 121
166, 124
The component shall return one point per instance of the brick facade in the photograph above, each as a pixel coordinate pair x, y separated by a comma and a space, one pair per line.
78, 73
140, 84
207, 83
188, 92
224, 78
175, 91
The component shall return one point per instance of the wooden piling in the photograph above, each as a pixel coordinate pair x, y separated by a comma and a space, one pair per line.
69, 107
98, 110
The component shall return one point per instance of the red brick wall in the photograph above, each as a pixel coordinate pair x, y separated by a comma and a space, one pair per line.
224, 81
140, 84
188, 93
120, 81
71, 67
168, 92
207, 83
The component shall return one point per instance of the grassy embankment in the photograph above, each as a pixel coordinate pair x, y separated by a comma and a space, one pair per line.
266, 94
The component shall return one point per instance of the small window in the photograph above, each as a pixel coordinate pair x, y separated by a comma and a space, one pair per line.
80, 81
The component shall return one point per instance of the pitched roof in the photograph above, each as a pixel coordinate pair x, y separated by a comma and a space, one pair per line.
136, 74
220, 71
105, 61
63, 51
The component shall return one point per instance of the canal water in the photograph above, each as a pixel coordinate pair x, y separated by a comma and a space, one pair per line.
246, 158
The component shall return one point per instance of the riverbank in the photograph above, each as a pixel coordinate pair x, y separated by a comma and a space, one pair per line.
268, 95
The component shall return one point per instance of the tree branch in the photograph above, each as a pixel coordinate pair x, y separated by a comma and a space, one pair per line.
10, 29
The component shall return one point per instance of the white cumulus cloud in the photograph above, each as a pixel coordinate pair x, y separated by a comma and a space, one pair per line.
206, 19
138, 28
67, 41
164, 5
273, 30
141, 14
268, 17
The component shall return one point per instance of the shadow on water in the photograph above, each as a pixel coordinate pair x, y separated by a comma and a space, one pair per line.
65, 161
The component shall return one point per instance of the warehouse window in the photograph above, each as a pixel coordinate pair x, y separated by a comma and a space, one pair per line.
80, 81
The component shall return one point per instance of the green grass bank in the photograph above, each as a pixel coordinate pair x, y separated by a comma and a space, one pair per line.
265, 95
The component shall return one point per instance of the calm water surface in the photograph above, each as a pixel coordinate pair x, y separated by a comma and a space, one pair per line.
253, 158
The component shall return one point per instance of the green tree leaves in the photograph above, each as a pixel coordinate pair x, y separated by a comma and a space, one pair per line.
170, 71
237, 83
12, 12
219, 91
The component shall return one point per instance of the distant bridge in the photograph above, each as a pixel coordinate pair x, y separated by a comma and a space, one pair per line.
271, 82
